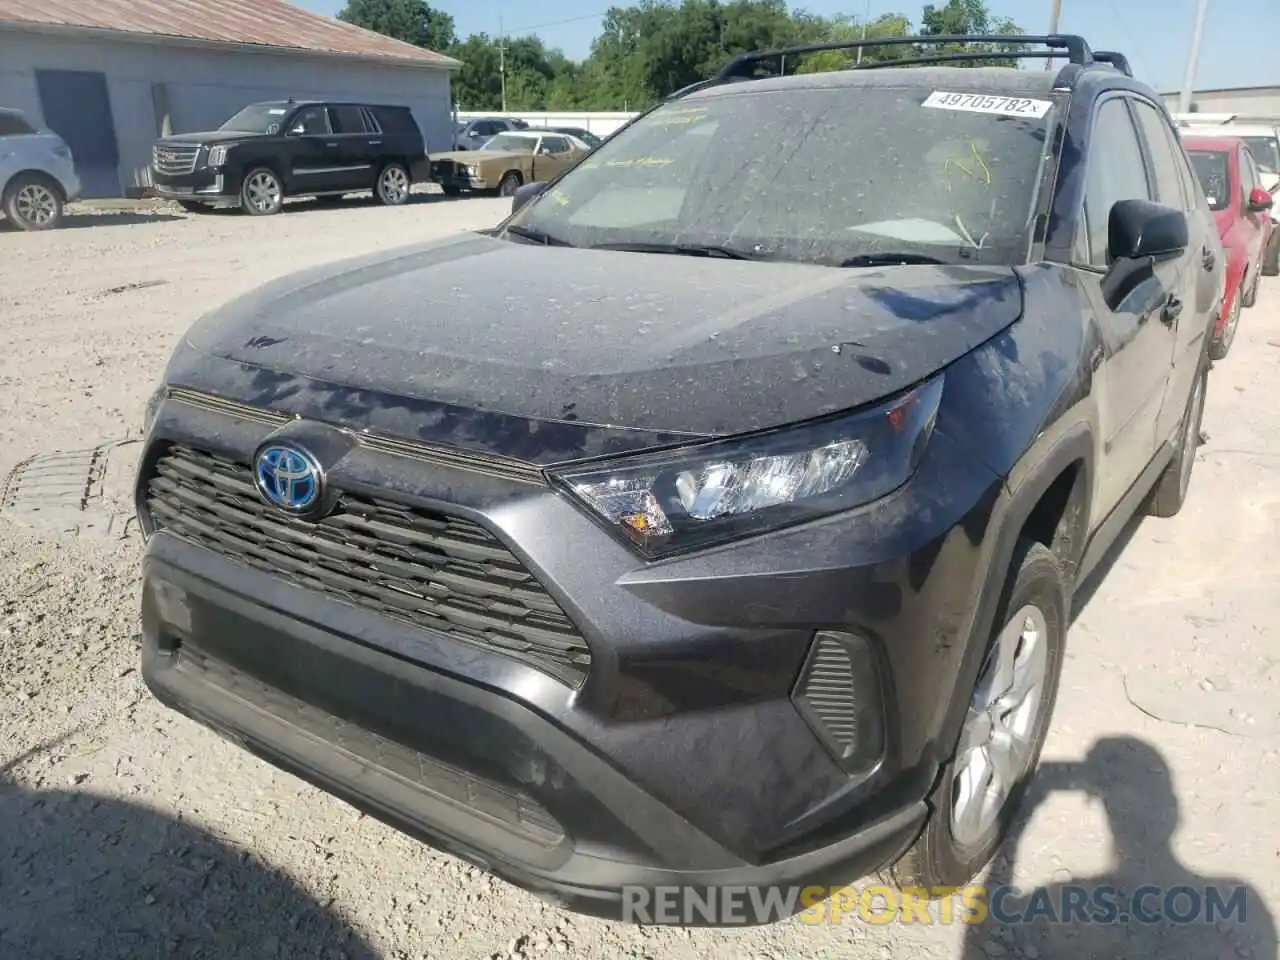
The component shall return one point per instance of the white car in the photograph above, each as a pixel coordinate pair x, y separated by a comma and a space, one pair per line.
37, 173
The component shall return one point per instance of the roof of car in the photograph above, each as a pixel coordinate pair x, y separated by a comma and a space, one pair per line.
996, 81
1212, 144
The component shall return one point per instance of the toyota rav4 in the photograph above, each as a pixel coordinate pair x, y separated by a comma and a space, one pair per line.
714, 520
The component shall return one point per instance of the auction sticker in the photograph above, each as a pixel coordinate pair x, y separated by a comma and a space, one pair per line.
980, 103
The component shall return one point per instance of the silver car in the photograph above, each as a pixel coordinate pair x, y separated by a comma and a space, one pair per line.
474, 133
37, 173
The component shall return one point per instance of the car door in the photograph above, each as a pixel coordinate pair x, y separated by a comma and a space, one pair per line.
552, 157
1191, 279
1137, 345
353, 159
312, 152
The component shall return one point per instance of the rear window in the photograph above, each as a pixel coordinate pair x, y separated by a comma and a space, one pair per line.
395, 119
819, 176
13, 124
1215, 181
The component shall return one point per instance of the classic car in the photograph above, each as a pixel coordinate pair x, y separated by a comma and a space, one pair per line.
507, 161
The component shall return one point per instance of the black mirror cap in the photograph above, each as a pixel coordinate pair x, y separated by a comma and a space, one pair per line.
526, 193
1138, 229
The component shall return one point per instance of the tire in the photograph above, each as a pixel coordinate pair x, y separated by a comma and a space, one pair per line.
953, 849
261, 193
394, 183
33, 202
1250, 298
450, 190
510, 183
1170, 491
1271, 259
1220, 346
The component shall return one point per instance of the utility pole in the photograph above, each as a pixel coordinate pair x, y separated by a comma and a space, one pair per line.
1055, 14
1189, 80
866, 20
502, 62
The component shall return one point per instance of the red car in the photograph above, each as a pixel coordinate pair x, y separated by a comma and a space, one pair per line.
1241, 207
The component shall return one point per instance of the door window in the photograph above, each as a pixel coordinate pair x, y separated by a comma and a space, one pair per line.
11, 124
347, 119
1171, 179
1116, 172
311, 122
555, 145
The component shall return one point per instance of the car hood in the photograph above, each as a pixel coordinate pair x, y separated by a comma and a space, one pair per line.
473, 157
552, 353
211, 136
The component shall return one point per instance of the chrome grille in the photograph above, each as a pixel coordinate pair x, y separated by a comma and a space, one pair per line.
174, 159
422, 567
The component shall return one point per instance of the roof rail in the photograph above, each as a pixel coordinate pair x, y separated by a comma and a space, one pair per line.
1117, 60
742, 66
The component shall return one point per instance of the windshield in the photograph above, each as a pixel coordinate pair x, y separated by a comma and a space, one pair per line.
510, 143
258, 118
1211, 168
817, 176
1266, 151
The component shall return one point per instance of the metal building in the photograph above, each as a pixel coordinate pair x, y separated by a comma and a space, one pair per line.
1246, 101
110, 76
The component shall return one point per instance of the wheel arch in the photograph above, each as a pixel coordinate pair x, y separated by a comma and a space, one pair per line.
1050, 503
44, 175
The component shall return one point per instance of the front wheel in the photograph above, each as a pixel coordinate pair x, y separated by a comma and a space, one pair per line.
1220, 345
509, 184
1003, 732
33, 202
393, 185
261, 194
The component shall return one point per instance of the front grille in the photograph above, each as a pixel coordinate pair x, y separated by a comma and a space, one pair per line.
174, 159
418, 566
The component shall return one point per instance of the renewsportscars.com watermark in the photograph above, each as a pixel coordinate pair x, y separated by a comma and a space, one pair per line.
880, 904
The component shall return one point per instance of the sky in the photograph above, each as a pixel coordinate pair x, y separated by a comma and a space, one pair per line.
1154, 34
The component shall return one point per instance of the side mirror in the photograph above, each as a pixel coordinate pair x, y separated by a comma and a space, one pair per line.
1138, 229
526, 193
1139, 233
1260, 201
298, 131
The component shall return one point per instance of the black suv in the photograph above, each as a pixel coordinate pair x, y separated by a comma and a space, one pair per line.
715, 520
273, 150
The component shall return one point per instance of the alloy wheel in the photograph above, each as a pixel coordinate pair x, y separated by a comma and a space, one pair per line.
263, 191
36, 204
393, 185
997, 741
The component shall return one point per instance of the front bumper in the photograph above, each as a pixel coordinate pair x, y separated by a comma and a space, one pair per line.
202, 184
686, 756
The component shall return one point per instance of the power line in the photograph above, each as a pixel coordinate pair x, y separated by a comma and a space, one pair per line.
556, 23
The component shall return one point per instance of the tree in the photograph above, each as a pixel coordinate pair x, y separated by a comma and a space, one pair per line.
409, 20
970, 17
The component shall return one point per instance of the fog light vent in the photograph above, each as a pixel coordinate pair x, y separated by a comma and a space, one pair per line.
839, 696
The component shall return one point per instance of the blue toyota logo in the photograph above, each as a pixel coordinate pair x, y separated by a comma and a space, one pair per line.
288, 477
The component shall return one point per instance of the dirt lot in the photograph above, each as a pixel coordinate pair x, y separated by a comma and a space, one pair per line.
126, 831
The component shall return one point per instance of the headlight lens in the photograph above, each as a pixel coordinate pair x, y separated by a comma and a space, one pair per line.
706, 494
217, 156
472, 171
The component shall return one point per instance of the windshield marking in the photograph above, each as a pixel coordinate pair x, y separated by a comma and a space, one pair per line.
983, 103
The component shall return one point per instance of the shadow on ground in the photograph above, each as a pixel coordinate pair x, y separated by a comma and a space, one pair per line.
84, 876
112, 218
1150, 905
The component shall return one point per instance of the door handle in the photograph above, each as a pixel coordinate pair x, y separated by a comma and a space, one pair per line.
1172, 310
332, 143
1207, 259
375, 143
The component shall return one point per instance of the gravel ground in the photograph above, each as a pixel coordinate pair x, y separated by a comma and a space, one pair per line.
127, 831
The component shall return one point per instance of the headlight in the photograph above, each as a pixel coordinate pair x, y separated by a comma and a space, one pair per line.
700, 495
472, 171
217, 156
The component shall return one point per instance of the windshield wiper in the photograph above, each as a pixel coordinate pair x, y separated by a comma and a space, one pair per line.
680, 249
537, 236
891, 260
